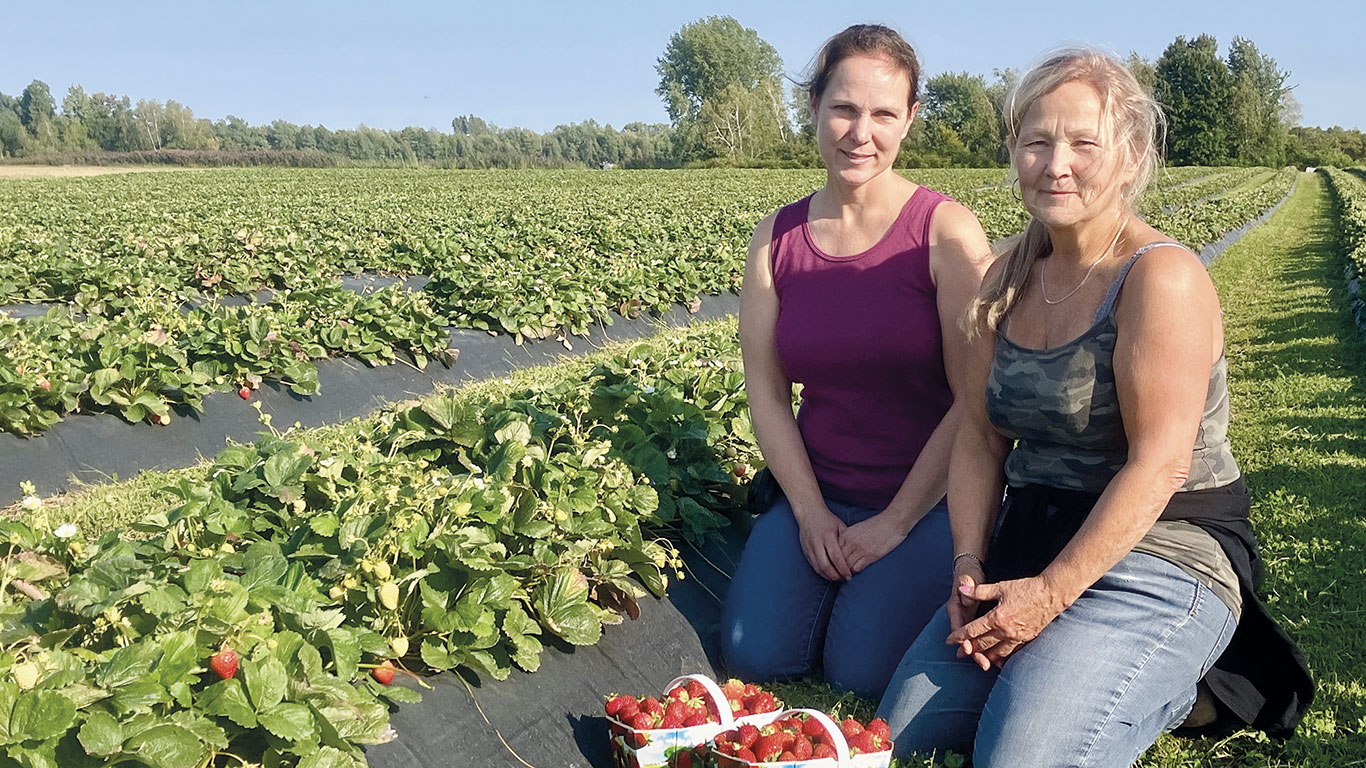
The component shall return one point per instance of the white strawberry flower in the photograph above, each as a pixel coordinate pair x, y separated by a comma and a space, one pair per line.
32, 504
65, 531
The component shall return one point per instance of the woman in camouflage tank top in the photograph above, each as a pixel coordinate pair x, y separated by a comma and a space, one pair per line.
1080, 622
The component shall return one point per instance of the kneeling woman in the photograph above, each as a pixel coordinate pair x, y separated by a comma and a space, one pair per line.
1121, 560
855, 292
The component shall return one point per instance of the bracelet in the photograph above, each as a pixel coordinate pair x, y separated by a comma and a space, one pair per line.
974, 557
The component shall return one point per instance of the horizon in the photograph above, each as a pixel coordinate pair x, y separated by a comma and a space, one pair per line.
295, 65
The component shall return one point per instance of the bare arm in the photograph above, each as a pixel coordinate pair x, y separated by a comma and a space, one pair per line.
959, 255
1168, 325
976, 480
769, 389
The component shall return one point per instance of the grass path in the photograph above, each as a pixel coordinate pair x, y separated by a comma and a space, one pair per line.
1298, 385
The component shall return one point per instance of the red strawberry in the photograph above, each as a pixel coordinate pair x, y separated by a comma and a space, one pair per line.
747, 735
768, 747
678, 693
749, 691
224, 663
879, 727
641, 721
677, 709
822, 751
741, 470
746, 755
733, 689
694, 719
850, 728
725, 747
865, 743
813, 729
738, 713
763, 702
696, 689
670, 722
628, 710
615, 704
802, 749
787, 756
244, 393
384, 673
651, 705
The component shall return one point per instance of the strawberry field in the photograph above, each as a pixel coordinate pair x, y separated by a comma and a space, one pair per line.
269, 607
153, 290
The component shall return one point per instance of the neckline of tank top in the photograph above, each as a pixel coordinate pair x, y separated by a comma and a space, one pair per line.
1099, 321
811, 241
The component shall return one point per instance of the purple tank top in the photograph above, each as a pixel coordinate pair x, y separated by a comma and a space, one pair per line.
861, 333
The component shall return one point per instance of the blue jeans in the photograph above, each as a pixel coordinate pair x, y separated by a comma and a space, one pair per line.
782, 619
1096, 688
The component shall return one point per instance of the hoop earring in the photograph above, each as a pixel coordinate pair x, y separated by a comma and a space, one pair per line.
1015, 190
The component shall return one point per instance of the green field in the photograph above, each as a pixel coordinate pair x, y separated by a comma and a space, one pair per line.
507, 513
140, 271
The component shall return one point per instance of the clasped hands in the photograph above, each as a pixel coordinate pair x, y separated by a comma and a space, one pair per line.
837, 551
1023, 608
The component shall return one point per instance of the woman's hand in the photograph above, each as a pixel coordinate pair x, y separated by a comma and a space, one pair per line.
820, 533
1024, 607
864, 543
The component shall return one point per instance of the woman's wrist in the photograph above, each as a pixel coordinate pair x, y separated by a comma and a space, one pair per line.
968, 558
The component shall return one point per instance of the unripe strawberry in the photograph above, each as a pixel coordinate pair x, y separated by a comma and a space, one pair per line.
388, 595
26, 675
399, 644
337, 592
382, 570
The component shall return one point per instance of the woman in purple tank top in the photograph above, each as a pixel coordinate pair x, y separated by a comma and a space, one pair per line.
855, 292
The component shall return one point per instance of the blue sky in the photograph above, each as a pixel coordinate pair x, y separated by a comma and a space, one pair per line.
539, 64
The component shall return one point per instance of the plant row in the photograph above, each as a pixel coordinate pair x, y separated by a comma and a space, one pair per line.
262, 619
1350, 190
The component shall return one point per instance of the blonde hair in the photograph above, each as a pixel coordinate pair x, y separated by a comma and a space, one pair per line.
1136, 124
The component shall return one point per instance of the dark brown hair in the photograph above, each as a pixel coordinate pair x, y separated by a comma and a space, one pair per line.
865, 40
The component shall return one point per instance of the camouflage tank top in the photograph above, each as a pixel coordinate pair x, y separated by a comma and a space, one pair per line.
1061, 406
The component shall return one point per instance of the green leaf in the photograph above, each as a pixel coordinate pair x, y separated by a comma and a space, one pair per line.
101, 735
179, 656
227, 698
327, 757
292, 722
265, 564
562, 605
345, 651
167, 746
139, 696
265, 681
285, 468
40, 715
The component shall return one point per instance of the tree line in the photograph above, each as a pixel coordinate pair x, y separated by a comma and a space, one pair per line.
729, 104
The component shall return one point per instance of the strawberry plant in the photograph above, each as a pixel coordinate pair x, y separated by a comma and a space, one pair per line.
449, 534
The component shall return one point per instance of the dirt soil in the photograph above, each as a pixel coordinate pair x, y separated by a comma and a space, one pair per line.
65, 171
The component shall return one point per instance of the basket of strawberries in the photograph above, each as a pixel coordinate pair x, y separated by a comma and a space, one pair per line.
675, 730
803, 738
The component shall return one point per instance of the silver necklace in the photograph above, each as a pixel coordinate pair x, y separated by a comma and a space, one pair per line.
1043, 271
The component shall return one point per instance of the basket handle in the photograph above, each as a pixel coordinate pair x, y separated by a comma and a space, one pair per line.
717, 696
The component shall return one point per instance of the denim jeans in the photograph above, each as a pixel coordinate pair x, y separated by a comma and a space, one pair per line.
781, 619
1096, 688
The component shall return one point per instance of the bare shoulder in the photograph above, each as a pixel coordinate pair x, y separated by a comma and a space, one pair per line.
1169, 276
952, 220
763, 233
